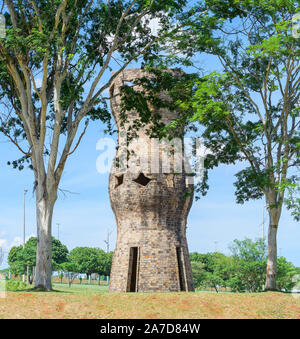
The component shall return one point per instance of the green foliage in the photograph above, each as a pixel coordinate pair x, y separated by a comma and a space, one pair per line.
143, 96
248, 269
247, 276
242, 271
15, 285
85, 259
248, 250
248, 111
90, 260
207, 98
56, 64
19, 258
104, 262
199, 274
285, 273
210, 270
292, 199
16, 260
59, 253
243, 112
80, 35
70, 269
249, 185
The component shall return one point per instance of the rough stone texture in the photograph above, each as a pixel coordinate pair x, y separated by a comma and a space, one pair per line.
150, 215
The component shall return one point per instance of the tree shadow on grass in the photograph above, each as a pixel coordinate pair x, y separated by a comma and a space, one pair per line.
41, 290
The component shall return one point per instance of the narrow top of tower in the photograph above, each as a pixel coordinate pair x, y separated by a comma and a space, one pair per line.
128, 77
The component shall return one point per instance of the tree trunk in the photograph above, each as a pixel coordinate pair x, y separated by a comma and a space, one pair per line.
274, 214
28, 280
33, 274
44, 212
272, 258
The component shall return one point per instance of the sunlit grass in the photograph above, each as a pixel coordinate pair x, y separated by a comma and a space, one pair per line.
80, 289
93, 301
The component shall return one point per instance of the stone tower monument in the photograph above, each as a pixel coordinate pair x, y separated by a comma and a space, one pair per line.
151, 209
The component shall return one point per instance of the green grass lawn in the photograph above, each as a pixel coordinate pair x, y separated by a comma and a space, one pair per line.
93, 301
80, 289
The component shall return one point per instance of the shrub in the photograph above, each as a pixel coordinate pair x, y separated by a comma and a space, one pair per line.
15, 285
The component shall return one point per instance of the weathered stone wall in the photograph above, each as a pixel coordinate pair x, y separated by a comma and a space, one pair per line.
151, 211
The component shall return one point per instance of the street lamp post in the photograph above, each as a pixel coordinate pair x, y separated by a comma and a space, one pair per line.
263, 230
107, 240
58, 224
24, 194
107, 248
25, 191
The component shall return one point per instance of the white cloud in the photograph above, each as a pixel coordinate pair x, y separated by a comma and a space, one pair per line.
16, 242
38, 82
3, 243
154, 24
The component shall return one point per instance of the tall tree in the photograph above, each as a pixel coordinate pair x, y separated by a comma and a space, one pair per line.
104, 262
286, 272
249, 111
55, 65
247, 271
211, 269
86, 259
19, 259
71, 271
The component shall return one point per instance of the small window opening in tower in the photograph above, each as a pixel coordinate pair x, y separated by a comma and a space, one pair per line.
142, 179
119, 180
111, 90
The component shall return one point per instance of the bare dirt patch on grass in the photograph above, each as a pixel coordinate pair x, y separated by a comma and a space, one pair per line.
96, 303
